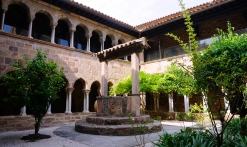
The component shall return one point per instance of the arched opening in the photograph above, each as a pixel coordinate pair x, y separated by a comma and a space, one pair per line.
16, 20
62, 35
78, 96
59, 105
94, 92
41, 27
110, 84
178, 102
95, 45
80, 41
7, 108
108, 42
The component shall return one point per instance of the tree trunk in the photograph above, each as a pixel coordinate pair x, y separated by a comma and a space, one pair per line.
37, 125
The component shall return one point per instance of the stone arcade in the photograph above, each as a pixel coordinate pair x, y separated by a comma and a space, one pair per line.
113, 113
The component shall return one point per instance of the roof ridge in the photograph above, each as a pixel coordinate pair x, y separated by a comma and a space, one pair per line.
166, 18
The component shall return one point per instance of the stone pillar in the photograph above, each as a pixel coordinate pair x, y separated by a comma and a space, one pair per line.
88, 36
171, 106
204, 101
104, 78
53, 28
23, 111
186, 104
3, 18
102, 41
49, 110
227, 106
135, 98
68, 99
141, 56
87, 100
72, 37
126, 58
143, 102
30, 27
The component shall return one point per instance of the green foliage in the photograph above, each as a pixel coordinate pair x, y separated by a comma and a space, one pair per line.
187, 138
34, 85
174, 80
177, 80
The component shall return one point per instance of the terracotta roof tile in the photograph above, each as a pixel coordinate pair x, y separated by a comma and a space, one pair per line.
178, 15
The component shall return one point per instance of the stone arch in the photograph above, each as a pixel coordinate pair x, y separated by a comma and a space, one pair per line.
20, 3
62, 34
110, 84
41, 26
94, 92
59, 105
16, 18
69, 23
121, 40
109, 41
95, 45
80, 40
78, 95
47, 13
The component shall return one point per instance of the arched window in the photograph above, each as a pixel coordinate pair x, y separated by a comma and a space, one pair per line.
41, 27
80, 41
62, 35
16, 20
95, 45
108, 42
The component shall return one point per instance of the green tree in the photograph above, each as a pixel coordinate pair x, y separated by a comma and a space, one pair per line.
34, 84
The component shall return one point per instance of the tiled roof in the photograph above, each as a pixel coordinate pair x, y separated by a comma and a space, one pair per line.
126, 49
178, 15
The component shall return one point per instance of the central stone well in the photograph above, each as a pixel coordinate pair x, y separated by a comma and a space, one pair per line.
114, 118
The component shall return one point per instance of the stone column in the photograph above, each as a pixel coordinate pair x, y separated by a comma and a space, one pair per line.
53, 28
72, 37
88, 36
135, 98
49, 110
68, 99
141, 56
30, 27
23, 111
104, 78
87, 101
186, 104
227, 106
171, 106
126, 58
143, 102
3, 18
204, 101
102, 41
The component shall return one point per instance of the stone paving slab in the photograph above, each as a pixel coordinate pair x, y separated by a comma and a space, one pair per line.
65, 136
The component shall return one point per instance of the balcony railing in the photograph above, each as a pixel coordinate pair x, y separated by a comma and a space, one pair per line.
178, 50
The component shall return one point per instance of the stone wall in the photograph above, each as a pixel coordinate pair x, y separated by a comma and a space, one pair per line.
76, 63
17, 123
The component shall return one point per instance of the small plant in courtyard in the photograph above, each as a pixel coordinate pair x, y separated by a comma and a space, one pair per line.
35, 85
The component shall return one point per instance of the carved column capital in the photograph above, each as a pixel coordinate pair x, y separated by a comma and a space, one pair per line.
72, 30
69, 89
86, 91
88, 35
4, 8
53, 24
102, 39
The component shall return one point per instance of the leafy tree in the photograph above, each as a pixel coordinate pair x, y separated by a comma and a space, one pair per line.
220, 71
177, 80
34, 84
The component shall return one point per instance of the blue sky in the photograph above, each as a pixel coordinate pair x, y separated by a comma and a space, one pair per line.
135, 12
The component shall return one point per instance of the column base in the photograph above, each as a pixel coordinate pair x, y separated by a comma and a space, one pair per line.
23, 114
48, 113
68, 112
85, 111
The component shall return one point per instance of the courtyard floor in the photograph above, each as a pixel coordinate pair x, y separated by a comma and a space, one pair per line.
65, 136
